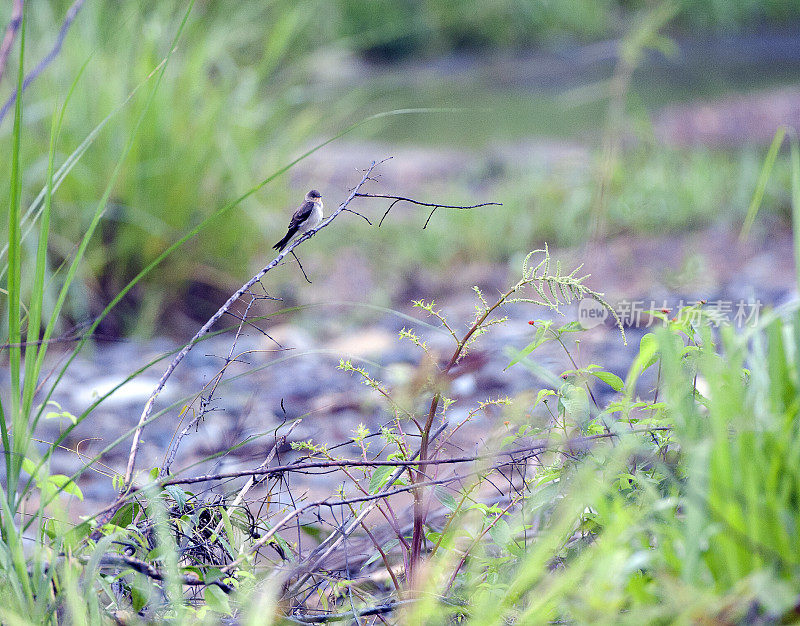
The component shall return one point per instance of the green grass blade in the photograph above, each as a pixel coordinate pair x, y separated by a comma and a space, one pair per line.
99, 210
14, 288
795, 165
761, 184
32, 349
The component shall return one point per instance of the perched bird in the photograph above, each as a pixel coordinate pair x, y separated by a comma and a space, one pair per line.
308, 216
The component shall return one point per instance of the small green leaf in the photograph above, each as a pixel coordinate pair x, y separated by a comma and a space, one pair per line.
648, 348
380, 477
156, 553
571, 327
538, 339
575, 401
501, 533
118, 482
50, 529
212, 574
216, 600
64, 484
29, 467
59, 413
446, 498
177, 494
124, 517
139, 596
77, 534
612, 380
226, 522
543, 393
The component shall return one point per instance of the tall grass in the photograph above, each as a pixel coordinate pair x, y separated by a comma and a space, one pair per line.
26, 584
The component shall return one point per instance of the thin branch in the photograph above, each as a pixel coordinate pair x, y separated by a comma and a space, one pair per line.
72, 13
11, 33
252, 481
308, 280
172, 450
118, 560
435, 206
427, 221
577, 443
360, 215
340, 617
387, 213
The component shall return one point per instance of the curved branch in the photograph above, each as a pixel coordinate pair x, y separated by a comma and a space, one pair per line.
427, 221
387, 211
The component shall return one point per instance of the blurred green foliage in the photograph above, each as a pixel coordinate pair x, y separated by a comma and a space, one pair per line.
391, 29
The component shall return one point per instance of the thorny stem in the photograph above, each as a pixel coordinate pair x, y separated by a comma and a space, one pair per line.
419, 516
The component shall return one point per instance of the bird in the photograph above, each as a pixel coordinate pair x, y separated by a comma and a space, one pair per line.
308, 216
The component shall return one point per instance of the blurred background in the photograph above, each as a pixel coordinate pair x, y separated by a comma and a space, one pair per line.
629, 135
590, 120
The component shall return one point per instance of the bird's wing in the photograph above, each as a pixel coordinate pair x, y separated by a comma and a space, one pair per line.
301, 215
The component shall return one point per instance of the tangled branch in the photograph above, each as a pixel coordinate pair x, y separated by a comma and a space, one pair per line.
226, 308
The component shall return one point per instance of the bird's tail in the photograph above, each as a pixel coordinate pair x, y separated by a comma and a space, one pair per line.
282, 243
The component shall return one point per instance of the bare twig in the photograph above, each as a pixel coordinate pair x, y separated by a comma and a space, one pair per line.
397, 199
11, 33
252, 480
308, 280
360, 215
173, 448
72, 13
